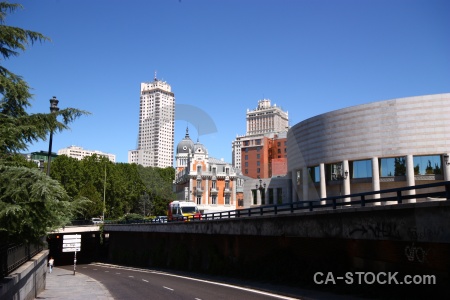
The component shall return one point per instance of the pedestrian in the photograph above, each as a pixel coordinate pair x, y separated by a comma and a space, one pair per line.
51, 261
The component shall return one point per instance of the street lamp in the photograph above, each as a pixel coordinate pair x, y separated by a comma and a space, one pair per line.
261, 187
53, 108
339, 175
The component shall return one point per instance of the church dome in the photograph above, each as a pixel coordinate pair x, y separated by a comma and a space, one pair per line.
199, 148
185, 144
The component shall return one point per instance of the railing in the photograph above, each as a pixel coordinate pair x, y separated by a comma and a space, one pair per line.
397, 196
12, 256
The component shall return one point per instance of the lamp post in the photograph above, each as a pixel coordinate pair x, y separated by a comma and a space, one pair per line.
339, 175
104, 196
53, 108
261, 187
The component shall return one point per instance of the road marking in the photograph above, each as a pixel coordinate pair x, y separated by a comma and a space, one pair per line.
167, 288
117, 273
198, 280
131, 276
144, 280
106, 271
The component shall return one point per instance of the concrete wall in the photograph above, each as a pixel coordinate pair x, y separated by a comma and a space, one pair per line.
26, 282
410, 239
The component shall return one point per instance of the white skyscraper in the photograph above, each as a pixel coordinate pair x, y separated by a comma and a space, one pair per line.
156, 126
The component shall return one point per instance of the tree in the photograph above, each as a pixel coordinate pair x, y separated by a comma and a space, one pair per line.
31, 203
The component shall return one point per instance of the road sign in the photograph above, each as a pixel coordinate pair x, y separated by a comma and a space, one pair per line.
71, 236
72, 245
71, 242
73, 249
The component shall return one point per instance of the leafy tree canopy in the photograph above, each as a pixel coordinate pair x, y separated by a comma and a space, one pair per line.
31, 203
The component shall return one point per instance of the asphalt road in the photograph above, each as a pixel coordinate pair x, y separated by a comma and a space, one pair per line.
134, 283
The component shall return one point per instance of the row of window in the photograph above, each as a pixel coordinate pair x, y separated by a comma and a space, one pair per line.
389, 167
214, 200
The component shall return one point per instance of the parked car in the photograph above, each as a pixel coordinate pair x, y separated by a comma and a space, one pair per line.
97, 221
161, 219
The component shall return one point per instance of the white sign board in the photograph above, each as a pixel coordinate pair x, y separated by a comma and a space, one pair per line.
71, 236
71, 242
71, 249
72, 245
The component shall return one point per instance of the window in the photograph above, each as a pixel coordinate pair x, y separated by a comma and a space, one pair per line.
255, 199
199, 184
427, 165
361, 169
258, 156
199, 200
213, 199
270, 196
314, 173
246, 157
227, 199
393, 166
258, 170
213, 184
257, 163
258, 148
279, 196
227, 184
258, 142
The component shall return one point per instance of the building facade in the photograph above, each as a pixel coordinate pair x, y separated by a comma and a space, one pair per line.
79, 153
370, 147
156, 126
265, 140
211, 183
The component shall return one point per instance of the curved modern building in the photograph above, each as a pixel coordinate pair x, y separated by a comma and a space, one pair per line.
370, 147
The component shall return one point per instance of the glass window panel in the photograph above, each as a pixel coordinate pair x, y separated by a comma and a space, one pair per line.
362, 169
427, 165
393, 166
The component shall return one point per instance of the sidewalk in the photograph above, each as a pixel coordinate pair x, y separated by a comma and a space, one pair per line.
62, 284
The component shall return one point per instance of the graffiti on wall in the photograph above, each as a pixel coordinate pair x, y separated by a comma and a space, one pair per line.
416, 254
381, 229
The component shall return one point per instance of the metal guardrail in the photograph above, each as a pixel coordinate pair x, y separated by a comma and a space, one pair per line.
12, 256
397, 195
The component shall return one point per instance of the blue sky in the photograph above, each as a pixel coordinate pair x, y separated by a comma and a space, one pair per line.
222, 56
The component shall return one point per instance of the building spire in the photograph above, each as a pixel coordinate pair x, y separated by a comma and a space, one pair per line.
155, 76
187, 131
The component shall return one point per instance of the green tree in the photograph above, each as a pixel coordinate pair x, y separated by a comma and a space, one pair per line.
31, 203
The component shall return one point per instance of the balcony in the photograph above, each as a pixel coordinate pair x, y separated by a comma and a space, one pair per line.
214, 191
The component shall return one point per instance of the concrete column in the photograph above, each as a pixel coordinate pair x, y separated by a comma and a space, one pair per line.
190, 190
410, 180
206, 193
375, 178
233, 192
305, 181
294, 186
346, 181
323, 183
446, 169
